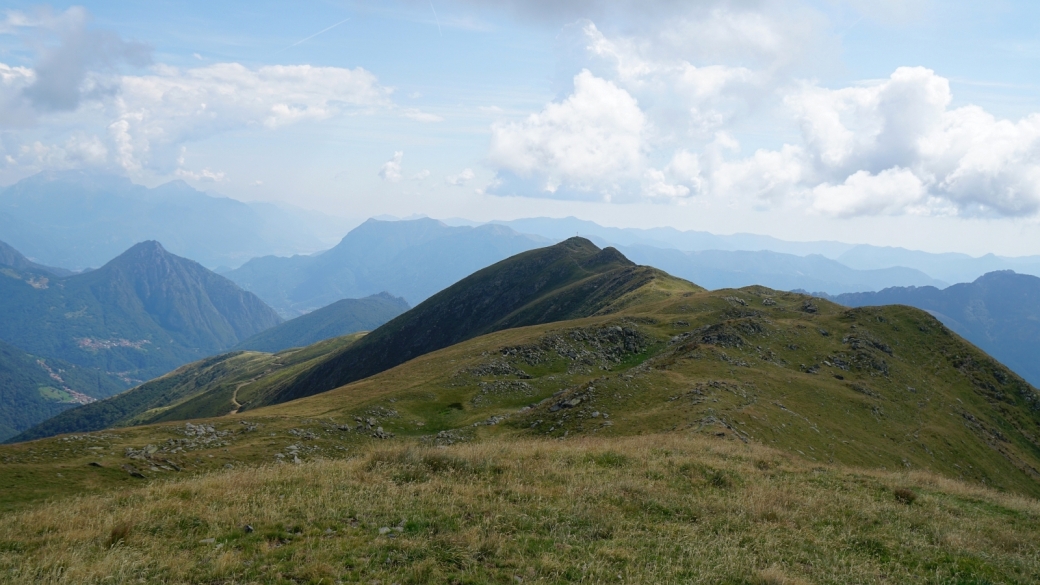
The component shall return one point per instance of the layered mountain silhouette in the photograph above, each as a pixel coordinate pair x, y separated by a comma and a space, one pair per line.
410, 259
999, 312
139, 316
569, 280
549, 342
33, 389
12, 258
80, 219
340, 318
715, 269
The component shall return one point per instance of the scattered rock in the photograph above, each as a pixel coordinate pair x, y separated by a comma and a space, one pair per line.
381, 434
133, 471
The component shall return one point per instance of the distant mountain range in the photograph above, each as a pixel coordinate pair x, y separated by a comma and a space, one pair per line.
945, 268
416, 258
999, 312
139, 316
715, 269
78, 219
336, 320
410, 259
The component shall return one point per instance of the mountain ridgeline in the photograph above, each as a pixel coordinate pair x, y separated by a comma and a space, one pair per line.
139, 316
569, 280
573, 340
999, 312
14, 259
336, 320
410, 259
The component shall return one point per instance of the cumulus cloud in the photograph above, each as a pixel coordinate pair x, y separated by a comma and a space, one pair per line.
422, 174
460, 179
391, 169
868, 138
154, 114
592, 140
140, 121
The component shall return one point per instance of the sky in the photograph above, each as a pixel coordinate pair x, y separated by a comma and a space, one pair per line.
911, 123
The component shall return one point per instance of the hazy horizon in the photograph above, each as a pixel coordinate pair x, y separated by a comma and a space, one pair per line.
908, 124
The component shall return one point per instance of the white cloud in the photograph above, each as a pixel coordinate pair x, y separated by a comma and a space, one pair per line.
968, 160
152, 115
78, 150
422, 174
892, 191
460, 179
593, 140
391, 169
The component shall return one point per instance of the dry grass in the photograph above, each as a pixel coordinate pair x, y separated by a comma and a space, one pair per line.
652, 509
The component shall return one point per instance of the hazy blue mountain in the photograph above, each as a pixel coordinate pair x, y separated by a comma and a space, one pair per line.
12, 258
139, 316
714, 269
999, 312
340, 318
946, 268
33, 389
79, 219
411, 259
949, 267
666, 237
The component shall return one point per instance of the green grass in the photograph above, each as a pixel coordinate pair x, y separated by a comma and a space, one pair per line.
692, 437
655, 509
54, 394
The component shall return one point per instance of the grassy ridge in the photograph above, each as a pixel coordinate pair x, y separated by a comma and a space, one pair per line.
654, 509
569, 280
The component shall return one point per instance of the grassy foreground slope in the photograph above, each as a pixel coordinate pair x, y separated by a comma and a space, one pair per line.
735, 436
671, 508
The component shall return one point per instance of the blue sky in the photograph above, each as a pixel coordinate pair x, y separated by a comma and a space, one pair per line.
907, 123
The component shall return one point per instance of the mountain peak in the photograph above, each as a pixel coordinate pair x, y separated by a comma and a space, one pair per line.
568, 280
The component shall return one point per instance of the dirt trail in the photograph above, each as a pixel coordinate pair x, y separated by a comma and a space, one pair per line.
234, 396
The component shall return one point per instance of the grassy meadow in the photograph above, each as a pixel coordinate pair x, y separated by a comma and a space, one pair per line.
745, 436
666, 508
